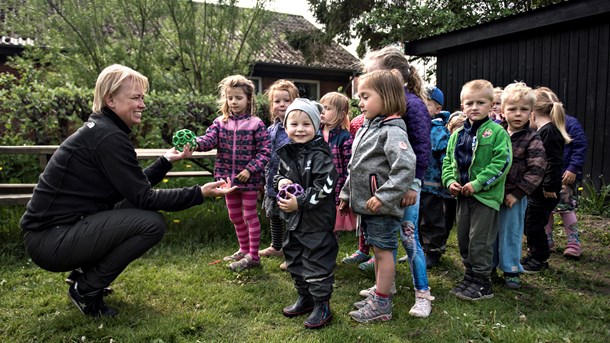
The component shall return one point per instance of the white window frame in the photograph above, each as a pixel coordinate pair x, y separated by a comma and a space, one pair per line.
316, 82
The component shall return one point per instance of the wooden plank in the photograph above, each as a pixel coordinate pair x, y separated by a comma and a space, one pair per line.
16, 188
48, 150
14, 199
194, 173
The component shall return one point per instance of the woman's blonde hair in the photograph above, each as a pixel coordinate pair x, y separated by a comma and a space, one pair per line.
110, 81
518, 91
340, 102
390, 58
547, 103
236, 81
388, 83
281, 85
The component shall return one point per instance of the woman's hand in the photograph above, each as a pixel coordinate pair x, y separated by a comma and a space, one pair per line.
173, 155
217, 188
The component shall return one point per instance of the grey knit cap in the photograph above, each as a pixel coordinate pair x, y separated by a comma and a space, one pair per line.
310, 107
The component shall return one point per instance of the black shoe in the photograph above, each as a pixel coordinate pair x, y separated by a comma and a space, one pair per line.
304, 304
462, 284
477, 289
532, 265
432, 259
76, 274
90, 304
320, 316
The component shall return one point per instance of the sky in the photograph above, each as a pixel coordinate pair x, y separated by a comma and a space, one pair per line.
300, 7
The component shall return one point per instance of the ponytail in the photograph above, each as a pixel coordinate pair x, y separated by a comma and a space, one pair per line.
558, 118
415, 84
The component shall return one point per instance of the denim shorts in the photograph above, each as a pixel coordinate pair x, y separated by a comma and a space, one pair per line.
381, 231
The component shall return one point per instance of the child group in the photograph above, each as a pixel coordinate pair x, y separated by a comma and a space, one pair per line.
404, 169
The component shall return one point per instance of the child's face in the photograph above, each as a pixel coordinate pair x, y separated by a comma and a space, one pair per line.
237, 100
433, 108
299, 127
517, 113
371, 103
329, 115
281, 101
497, 104
476, 105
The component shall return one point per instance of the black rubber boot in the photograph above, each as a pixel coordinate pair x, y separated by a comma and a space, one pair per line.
304, 304
320, 316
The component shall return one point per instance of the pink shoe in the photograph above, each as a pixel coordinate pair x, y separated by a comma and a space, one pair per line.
572, 251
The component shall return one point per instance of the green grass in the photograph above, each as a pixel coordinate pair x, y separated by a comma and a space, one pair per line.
177, 293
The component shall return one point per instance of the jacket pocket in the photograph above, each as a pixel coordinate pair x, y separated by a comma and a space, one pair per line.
373, 184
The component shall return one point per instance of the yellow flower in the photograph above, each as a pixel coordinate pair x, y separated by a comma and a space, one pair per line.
0, 167
560, 223
188, 166
580, 188
176, 221
165, 180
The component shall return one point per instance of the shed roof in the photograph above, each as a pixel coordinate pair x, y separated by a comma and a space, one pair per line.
563, 13
333, 56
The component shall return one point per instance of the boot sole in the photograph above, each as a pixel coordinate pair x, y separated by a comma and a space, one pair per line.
318, 326
463, 297
296, 314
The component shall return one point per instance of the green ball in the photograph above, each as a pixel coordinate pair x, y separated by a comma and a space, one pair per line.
182, 137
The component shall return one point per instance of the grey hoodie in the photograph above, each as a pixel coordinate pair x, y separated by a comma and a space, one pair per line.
382, 164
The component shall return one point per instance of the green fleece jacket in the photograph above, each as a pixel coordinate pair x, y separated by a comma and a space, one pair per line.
491, 161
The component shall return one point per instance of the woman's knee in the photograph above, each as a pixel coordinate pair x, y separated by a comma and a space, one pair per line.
155, 224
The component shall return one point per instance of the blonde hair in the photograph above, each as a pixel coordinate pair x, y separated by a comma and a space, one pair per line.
547, 103
235, 81
110, 81
456, 120
391, 57
340, 102
518, 91
281, 85
388, 83
478, 86
498, 91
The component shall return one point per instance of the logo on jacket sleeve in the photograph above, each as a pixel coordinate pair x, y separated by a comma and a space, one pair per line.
487, 133
403, 145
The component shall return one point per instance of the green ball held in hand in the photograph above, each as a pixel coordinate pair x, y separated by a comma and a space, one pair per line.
182, 137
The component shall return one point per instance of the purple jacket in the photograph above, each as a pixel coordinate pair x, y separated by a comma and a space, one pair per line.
241, 143
340, 144
418, 130
575, 152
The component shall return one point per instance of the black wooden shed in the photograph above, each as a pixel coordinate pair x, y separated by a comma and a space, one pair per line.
562, 46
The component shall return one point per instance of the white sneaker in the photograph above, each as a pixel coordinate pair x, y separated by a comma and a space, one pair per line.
367, 292
423, 304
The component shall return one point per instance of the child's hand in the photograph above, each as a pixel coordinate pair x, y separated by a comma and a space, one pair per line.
455, 189
467, 190
243, 176
373, 204
410, 198
549, 195
510, 200
283, 182
288, 205
568, 178
343, 207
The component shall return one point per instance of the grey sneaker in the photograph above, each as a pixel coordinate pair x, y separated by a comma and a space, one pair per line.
238, 255
373, 311
367, 292
245, 263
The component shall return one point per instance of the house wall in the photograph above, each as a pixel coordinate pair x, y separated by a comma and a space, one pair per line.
572, 60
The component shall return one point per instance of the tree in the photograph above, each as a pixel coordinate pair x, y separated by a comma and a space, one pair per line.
178, 44
379, 23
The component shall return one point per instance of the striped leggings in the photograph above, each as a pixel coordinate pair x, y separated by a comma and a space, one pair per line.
242, 213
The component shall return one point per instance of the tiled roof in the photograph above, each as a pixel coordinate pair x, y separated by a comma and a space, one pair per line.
333, 56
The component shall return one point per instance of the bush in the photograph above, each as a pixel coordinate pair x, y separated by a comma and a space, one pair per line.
595, 202
34, 114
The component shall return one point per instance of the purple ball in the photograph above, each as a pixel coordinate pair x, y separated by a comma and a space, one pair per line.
293, 188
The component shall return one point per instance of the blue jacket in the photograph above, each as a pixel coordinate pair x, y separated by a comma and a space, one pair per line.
574, 153
278, 138
439, 136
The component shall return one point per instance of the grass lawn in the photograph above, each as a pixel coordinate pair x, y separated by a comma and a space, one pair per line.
179, 292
